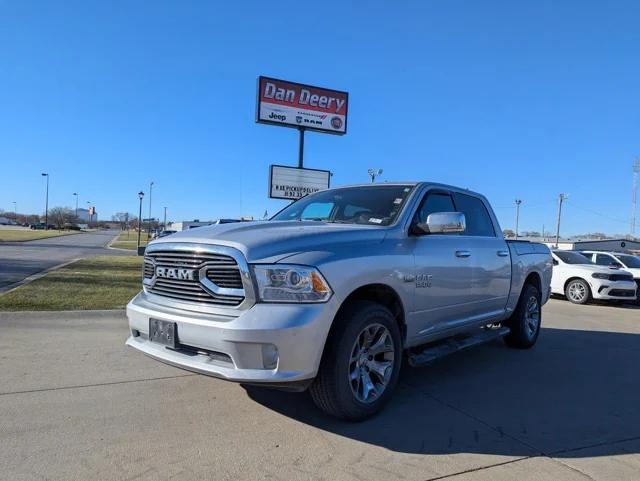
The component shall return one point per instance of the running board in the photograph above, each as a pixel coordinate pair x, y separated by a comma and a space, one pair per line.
453, 344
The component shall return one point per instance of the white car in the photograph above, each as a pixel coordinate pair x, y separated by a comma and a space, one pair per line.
579, 279
624, 261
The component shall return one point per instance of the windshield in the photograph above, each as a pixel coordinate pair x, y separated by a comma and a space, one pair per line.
632, 262
371, 205
572, 257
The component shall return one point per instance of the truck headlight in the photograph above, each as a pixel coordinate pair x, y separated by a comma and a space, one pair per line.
290, 283
597, 275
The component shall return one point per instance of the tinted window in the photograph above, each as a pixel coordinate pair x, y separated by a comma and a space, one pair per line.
478, 220
435, 202
571, 257
605, 260
632, 262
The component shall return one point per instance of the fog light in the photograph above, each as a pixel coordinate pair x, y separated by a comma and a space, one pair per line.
269, 356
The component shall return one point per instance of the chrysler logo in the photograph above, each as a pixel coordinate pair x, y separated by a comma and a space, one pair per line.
175, 273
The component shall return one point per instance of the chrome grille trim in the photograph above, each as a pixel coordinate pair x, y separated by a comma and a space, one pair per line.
222, 279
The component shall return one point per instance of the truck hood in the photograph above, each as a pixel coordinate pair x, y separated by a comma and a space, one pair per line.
272, 241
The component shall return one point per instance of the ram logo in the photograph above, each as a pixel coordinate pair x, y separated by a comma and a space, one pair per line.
176, 273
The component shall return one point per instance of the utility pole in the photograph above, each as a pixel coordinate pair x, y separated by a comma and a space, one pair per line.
140, 196
561, 199
149, 226
164, 222
15, 211
373, 173
518, 202
76, 194
634, 195
46, 205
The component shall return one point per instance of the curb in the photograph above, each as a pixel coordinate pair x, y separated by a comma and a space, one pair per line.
36, 276
67, 315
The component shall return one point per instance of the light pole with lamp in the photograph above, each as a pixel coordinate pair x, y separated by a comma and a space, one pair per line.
373, 173
15, 211
89, 211
76, 194
140, 196
149, 229
164, 222
46, 205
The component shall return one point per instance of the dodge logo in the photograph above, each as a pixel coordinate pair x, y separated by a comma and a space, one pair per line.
175, 273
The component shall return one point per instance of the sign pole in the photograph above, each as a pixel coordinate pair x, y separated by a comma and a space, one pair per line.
301, 149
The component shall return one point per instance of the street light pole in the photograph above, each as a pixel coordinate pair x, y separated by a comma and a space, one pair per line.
140, 196
46, 205
149, 229
164, 222
76, 194
15, 211
561, 199
373, 173
518, 202
89, 211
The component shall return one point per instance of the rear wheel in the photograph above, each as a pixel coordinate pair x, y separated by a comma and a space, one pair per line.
577, 291
361, 363
526, 319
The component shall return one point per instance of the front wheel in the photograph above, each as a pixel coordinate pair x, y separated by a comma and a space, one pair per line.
577, 291
526, 319
361, 363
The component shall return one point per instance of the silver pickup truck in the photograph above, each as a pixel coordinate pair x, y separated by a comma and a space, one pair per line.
336, 289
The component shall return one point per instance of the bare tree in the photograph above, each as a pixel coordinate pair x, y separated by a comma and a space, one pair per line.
59, 216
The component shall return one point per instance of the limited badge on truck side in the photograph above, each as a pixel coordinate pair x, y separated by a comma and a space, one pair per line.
424, 280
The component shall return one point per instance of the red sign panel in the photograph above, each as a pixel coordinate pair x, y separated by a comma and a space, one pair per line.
297, 105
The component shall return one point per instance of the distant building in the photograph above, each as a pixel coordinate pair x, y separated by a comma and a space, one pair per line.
616, 245
83, 215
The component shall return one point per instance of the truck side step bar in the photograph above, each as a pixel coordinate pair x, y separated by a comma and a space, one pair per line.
429, 353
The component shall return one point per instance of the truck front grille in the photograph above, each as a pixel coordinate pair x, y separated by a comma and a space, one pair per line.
221, 270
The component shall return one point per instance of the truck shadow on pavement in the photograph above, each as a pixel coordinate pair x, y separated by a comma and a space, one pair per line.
575, 394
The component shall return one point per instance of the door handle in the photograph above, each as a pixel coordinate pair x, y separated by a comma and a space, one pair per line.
503, 253
463, 254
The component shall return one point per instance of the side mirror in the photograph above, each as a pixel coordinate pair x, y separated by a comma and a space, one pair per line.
442, 223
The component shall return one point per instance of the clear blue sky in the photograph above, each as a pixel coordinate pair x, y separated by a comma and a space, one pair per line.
513, 99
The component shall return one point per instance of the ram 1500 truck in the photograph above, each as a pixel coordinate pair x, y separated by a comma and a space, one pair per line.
337, 288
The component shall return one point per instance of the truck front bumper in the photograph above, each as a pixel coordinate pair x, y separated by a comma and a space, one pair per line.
267, 343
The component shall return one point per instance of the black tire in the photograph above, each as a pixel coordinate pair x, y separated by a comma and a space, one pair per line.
580, 286
332, 388
524, 331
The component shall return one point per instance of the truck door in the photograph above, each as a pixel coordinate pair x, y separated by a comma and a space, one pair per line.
490, 256
443, 273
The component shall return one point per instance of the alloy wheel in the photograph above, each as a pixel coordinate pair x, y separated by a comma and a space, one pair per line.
371, 363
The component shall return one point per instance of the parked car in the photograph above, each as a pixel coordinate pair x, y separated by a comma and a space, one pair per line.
331, 292
580, 280
624, 261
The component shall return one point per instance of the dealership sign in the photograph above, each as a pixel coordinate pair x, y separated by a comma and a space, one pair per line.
292, 182
297, 105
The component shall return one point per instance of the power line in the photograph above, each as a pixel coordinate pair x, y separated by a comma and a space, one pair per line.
595, 212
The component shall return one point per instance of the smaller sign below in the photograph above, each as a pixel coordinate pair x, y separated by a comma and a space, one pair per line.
293, 182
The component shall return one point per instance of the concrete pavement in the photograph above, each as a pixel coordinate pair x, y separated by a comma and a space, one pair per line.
75, 404
19, 260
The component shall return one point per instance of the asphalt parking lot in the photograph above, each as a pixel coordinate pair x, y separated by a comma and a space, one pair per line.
75, 404
19, 260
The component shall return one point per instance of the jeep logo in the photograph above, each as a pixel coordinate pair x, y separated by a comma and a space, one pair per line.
175, 273
275, 116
